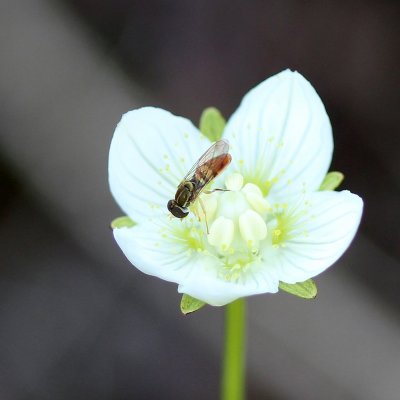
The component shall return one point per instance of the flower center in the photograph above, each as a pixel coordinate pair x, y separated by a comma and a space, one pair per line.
243, 228
237, 223
239, 220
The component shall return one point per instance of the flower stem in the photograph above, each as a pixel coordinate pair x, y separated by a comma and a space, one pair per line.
233, 374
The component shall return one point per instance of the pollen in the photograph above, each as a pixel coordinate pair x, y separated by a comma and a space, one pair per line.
189, 235
276, 236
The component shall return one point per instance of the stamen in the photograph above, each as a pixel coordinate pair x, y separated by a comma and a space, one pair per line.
252, 229
221, 234
234, 182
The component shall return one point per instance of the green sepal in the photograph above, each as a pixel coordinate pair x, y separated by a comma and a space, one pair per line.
122, 222
332, 180
305, 290
189, 304
212, 124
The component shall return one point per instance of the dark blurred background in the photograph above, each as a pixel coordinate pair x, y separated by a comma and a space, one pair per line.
77, 321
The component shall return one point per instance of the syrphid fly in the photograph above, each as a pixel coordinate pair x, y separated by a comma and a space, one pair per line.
207, 167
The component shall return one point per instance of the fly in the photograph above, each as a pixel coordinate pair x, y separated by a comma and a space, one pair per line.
207, 168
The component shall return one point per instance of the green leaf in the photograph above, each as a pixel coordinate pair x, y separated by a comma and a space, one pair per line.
305, 290
212, 124
332, 180
189, 304
122, 222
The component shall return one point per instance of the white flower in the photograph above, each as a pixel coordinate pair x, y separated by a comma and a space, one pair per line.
272, 225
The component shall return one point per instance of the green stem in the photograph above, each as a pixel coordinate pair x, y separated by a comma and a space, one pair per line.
233, 374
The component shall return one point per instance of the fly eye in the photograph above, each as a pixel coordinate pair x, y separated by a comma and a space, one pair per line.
179, 212
171, 204
176, 210
183, 212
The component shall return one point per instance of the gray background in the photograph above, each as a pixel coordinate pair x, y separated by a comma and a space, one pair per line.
76, 320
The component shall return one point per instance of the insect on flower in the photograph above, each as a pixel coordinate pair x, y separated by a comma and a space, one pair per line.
275, 225
207, 167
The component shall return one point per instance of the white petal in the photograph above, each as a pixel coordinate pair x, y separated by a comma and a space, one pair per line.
151, 152
205, 284
152, 248
323, 236
281, 133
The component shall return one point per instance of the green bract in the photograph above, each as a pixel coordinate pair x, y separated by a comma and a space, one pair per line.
212, 124
332, 180
189, 304
122, 222
305, 290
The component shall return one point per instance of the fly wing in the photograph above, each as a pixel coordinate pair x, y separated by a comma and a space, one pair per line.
209, 162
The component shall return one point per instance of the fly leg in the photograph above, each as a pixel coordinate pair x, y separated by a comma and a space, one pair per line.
216, 190
205, 215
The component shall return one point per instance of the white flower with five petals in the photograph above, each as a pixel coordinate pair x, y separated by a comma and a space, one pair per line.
271, 225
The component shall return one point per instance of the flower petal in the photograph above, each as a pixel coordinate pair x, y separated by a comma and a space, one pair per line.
324, 233
156, 249
281, 137
151, 152
153, 249
207, 285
